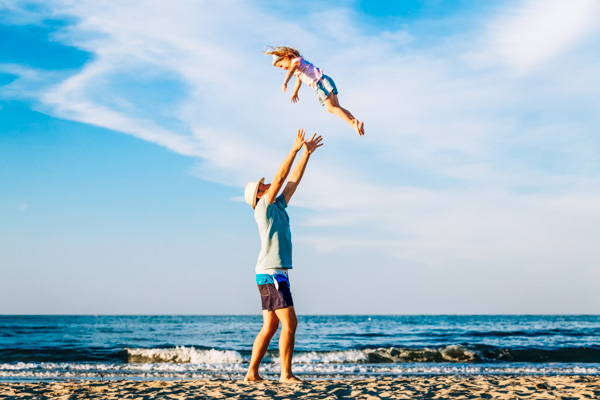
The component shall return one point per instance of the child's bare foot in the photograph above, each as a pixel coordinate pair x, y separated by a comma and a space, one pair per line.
361, 128
291, 379
356, 125
252, 378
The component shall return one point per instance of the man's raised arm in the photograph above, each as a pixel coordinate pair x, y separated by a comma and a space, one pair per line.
284, 168
309, 147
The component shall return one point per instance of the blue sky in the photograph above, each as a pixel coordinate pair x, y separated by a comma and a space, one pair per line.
128, 130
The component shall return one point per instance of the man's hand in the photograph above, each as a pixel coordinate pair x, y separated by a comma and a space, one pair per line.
284, 87
295, 97
300, 141
312, 144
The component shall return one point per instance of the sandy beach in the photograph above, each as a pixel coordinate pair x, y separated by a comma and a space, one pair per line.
420, 387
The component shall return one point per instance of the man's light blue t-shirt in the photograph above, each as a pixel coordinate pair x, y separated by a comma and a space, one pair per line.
275, 235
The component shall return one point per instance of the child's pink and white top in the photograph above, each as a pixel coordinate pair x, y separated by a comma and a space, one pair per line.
307, 72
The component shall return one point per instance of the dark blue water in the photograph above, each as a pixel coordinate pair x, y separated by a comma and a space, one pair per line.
172, 347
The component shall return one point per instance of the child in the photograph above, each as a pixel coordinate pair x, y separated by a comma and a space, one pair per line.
290, 60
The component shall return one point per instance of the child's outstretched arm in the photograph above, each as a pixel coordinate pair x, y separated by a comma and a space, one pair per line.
288, 76
295, 97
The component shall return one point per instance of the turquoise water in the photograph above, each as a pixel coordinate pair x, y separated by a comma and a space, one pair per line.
176, 347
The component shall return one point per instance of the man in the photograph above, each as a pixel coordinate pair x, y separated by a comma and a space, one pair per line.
275, 258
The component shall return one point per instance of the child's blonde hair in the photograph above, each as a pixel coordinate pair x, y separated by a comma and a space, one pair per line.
283, 52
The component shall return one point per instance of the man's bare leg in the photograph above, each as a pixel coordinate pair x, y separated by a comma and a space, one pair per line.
261, 344
287, 339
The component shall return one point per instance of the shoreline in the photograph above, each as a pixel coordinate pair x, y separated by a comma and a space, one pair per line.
434, 386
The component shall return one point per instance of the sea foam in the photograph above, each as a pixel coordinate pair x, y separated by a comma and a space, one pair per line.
182, 354
53, 371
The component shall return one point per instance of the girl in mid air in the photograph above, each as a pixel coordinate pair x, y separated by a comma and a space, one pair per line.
290, 60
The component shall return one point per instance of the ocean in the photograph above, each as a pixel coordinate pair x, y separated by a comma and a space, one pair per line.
327, 347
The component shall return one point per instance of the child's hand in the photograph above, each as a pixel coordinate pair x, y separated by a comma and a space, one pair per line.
284, 87
299, 142
295, 97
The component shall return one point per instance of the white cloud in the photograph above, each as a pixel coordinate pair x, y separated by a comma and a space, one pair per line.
527, 37
398, 37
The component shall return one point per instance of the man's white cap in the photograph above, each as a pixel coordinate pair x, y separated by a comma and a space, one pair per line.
251, 191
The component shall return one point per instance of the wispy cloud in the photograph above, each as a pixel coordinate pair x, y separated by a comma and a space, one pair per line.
532, 34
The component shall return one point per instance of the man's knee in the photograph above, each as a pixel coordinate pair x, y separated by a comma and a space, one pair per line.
291, 323
271, 328
270, 324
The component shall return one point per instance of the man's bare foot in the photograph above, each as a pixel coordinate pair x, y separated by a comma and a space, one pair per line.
291, 379
253, 378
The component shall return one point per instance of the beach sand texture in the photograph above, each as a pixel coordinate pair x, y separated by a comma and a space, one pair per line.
417, 387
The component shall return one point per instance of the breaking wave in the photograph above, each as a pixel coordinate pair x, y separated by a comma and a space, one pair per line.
196, 363
181, 354
447, 354
197, 355
453, 354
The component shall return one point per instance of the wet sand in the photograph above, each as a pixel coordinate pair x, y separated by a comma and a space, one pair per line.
413, 387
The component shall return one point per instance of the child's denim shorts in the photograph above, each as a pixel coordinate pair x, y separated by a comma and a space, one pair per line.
324, 87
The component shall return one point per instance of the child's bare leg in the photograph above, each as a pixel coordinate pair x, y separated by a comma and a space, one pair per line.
336, 103
359, 126
333, 106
